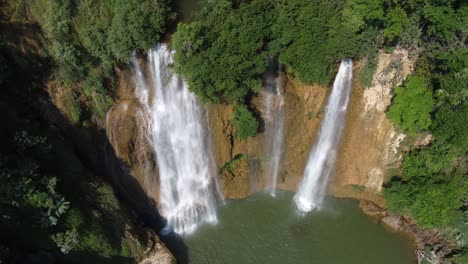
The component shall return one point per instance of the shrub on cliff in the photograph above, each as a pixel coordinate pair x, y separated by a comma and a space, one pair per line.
412, 105
245, 122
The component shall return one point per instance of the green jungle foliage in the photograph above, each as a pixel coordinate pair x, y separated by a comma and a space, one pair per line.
87, 38
245, 122
412, 105
432, 186
311, 36
224, 51
48, 199
221, 54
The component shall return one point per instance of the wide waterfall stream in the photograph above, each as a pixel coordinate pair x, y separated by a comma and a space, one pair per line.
260, 229
178, 134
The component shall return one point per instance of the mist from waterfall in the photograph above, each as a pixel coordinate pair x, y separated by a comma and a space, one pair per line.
179, 137
323, 155
274, 122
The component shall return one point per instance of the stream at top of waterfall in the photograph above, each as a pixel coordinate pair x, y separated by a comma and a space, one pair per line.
262, 229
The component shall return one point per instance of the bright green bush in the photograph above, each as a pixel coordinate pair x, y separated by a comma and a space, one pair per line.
93, 22
395, 22
245, 122
220, 54
412, 105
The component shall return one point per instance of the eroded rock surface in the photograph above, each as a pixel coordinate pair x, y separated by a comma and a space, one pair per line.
371, 144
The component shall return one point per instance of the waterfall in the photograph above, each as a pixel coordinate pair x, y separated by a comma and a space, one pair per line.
323, 155
179, 137
274, 122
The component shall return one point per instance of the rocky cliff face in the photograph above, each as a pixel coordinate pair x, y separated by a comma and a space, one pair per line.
240, 162
370, 146
303, 106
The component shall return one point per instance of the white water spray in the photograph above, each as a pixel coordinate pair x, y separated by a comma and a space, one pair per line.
323, 155
188, 186
274, 123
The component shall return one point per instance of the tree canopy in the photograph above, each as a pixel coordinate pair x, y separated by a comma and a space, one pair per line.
221, 54
412, 105
245, 122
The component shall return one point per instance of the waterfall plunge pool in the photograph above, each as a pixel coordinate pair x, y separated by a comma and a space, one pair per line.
261, 229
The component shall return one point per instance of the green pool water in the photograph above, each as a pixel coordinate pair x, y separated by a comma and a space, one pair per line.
262, 229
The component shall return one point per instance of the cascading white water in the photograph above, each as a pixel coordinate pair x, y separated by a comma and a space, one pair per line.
323, 155
274, 116
188, 186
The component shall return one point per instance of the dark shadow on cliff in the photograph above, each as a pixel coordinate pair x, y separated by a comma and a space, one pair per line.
95, 151
49, 257
24, 73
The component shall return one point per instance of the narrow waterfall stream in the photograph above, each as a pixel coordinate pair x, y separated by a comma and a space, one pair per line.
323, 155
188, 186
274, 123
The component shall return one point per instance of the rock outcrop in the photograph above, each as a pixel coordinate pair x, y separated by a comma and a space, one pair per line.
371, 144
303, 106
431, 246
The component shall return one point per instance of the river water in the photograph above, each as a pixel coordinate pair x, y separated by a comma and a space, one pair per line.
261, 229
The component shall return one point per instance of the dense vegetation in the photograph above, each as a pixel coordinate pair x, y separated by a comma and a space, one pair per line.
245, 122
432, 185
53, 208
50, 202
224, 51
86, 39
222, 54
412, 105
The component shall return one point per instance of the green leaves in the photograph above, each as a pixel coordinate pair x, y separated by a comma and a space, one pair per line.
136, 24
245, 123
111, 29
450, 125
433, 200
412, 105
443, 22
220, 54
66, 241
396, 21
224, 51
